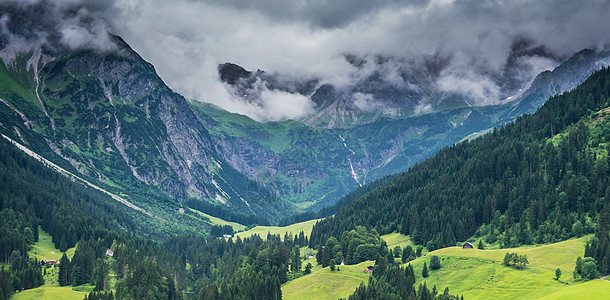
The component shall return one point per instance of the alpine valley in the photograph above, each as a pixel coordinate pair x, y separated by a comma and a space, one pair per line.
113, 185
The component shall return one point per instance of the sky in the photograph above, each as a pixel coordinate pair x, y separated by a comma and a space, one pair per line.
186, 40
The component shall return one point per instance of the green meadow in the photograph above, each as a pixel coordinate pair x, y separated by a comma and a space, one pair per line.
218, 221
473, 273
50, 293
293, 229
397, 239
479, 274
45, 249
324, 284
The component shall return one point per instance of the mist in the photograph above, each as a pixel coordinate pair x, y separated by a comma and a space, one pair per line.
479, 46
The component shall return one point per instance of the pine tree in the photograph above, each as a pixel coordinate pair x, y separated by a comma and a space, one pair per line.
424, 271
65, 271
435, 263
295, 265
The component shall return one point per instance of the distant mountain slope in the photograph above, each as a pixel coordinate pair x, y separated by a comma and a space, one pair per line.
314, 166
543, 178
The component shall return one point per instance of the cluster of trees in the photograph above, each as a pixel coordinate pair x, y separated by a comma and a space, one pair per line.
297, 240
390, 281
408, 254
220, 230
598, 248
543, 178
33, 196
354, 246
586, 268
515, 260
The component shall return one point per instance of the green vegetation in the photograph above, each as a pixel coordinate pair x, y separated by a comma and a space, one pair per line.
44, 249
326, 284
549, 257
218, 221
479, 274
50, 293
293, 229
595, 289
397, 239
511, 187
353, 247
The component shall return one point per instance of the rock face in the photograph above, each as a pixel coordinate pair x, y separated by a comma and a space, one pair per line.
110, 117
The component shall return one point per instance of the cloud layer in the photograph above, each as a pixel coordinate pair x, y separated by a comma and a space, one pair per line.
477, 41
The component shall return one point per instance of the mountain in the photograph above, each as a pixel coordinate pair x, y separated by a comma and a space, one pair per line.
107, 116
104, 114
314, 166
542, 179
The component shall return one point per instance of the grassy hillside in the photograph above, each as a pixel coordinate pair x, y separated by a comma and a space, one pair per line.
595, 289
293, 229
397, 239
50, 293
218, 221
476, 274
479, 274
324, 284
550, 257
45, 249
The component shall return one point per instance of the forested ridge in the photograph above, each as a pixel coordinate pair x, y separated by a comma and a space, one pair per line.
543, 178
183, 266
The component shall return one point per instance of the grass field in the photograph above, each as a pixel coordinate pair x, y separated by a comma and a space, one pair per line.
219, 221
475, 274
323, 284
294, 229
397, 239
552, 256
50, 293
45, 249
594, 289
479, 274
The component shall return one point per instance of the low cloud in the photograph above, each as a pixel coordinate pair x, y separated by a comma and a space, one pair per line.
484, 51
367, 103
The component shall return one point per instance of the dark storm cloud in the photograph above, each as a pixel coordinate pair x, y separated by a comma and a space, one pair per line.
326, 14
57, 25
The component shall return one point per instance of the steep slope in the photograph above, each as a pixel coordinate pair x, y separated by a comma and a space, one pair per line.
106, 115
540, 179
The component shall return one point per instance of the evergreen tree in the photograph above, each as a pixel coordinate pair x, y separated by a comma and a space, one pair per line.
65, 271
424, 271
308, 268
435, 263
295, 265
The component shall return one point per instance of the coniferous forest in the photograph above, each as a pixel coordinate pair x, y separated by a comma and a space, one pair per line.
186, 266
542, 179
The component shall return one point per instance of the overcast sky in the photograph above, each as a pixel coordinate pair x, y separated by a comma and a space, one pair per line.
186, 39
